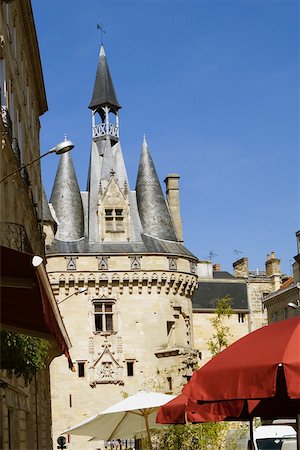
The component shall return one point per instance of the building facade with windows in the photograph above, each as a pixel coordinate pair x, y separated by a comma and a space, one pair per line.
285, 301
27, 302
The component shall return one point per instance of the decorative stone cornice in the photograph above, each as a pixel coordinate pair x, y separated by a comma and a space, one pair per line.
133, 282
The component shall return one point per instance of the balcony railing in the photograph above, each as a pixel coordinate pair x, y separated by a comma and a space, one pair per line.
106, 129
13, 235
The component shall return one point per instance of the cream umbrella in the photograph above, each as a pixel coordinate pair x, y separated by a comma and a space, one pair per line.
132, 416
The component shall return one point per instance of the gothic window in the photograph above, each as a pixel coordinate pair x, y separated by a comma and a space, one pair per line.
103, 313
114, 220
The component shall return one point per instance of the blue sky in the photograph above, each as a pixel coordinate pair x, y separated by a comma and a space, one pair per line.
215, 87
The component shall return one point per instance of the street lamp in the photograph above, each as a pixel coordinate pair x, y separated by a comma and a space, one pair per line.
80, 291
62, 147
294, 305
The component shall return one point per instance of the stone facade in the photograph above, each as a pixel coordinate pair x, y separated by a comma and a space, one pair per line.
25, 412
285, 301
260, 284
23, 100
247, 290
25, 422
148, 340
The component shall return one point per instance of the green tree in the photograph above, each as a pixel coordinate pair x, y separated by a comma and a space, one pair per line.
23, 354
221, 332
190, 437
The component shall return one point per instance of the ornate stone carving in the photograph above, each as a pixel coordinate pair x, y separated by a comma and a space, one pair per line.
71, 262
102, 262
106, 369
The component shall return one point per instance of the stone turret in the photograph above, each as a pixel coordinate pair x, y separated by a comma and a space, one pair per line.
154, 214
66, 201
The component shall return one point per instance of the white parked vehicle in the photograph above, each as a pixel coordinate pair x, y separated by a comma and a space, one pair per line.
275, 437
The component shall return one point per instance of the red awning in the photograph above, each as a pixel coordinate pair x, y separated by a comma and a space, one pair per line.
27, 301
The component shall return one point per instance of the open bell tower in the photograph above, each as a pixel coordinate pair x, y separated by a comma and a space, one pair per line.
104, 103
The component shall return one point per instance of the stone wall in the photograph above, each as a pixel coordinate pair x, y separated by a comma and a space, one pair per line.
148, 346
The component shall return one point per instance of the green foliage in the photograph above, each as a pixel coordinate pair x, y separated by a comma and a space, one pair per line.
219, 339
190, 437
23, 354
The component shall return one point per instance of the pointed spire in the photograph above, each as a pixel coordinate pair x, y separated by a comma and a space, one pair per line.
154, 214
104, 91
66, 201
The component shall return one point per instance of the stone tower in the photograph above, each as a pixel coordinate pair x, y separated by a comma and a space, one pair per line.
121, 275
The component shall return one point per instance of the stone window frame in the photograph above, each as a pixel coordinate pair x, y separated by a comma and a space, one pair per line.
104, 314
116, 218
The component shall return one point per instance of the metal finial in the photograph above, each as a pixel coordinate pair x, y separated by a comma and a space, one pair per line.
66, 137
144, 140
100, 27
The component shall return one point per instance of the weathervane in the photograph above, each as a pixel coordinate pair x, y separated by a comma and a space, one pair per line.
100, 27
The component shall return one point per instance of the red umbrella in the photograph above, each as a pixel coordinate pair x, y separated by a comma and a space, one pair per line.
258, 375
181, 410
248, 368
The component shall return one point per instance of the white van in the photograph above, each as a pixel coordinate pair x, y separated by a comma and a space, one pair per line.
275, 437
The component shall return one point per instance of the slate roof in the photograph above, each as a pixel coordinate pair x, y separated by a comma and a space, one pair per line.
147, 244
153, 210
218, 274
151, 226
104, 91
207, 294
66, 201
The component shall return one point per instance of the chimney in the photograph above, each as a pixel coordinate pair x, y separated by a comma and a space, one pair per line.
217, 267
273, 270
241, 268
272, 265
172, 191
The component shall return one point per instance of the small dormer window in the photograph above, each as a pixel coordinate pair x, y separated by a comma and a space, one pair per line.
114, 220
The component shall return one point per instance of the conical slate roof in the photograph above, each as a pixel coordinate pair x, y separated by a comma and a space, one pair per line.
154, 213
66, 201
104, 92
